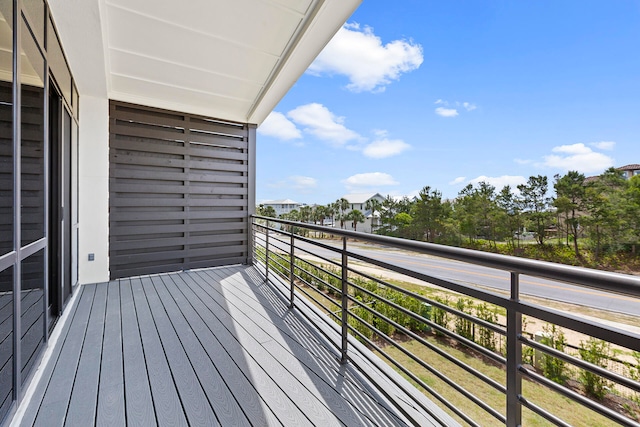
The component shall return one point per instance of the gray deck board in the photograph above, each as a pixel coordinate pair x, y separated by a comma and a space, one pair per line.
82, 406
167, 402
53, 409
224, 404
253, 404
205, 347
293, 343
284, 408
194, 401
292, 364
138, 398
110, 410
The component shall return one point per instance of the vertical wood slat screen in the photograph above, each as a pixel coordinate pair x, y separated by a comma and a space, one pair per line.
178, 191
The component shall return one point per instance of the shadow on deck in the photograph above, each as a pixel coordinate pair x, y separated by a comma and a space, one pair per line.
204, 347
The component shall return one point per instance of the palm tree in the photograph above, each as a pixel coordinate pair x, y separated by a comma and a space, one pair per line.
330, 210
374, 205
355, 216
343, 205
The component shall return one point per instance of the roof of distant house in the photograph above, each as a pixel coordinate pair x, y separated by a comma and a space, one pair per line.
632, 167
281, 202
360, 197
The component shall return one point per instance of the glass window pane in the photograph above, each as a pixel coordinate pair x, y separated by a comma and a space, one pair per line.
6, 340
32, 149
31, 310
6, 128
57, 63
34, 11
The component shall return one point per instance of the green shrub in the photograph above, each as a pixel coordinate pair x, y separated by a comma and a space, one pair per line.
486, 337
597, 352
363, 328
553, 368
440, 316
464, 327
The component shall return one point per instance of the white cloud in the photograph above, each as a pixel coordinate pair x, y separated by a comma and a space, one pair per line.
458, 180
446, 112
360, 55
322, 123
604, 145
500, 181
278, 126
577, 157
468, 106
302, 183
385, 147
371, 179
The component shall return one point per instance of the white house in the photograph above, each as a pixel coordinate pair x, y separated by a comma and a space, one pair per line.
359, 201
282, 206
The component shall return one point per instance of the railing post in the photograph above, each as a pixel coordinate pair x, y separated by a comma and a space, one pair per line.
345, 314
514, 355
291, 265
266, 253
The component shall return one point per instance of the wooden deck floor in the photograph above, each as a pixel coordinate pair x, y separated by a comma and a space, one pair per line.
206, 347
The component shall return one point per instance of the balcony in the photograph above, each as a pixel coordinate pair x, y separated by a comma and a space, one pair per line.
246, 345
205, 347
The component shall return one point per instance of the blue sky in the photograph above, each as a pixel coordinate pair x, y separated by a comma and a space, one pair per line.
413, 93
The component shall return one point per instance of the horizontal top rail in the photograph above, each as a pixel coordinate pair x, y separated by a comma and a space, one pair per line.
596, 279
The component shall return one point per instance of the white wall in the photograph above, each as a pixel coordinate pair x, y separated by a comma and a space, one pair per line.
94, 189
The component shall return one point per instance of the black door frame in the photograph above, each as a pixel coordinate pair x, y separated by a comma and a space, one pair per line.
59, 236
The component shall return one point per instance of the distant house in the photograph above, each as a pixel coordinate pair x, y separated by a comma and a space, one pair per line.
283, 206
359, 201
630, 170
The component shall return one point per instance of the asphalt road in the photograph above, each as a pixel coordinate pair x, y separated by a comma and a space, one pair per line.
469, 274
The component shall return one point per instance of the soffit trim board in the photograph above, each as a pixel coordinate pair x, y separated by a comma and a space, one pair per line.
282, 61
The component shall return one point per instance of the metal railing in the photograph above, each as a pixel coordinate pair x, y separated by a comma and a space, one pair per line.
385, 315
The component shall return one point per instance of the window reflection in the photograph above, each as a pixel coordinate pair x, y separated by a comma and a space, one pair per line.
6, 128
32, 157
32, 310
6, 340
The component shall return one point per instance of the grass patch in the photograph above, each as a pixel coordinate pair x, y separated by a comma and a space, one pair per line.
564, 408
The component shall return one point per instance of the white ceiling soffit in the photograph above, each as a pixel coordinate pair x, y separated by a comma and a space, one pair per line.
229, 59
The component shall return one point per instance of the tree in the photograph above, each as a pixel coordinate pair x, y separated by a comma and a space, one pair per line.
355, 216
330, 210
478, 212
305, 213
536, 204
632, 211
430, 214
511, 207
342, 204
571, 193
387, 214
266, 211
403, 223
605, 204
374, 205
